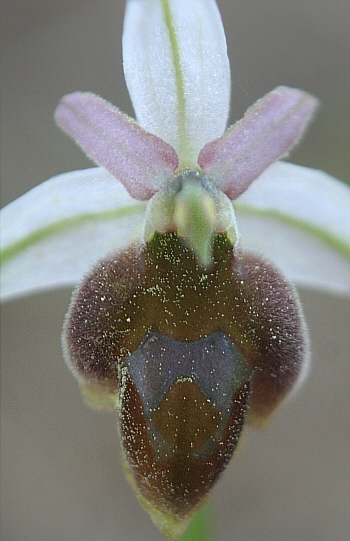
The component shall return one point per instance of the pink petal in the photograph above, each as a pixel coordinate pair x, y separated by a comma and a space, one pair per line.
140, 160
267, 132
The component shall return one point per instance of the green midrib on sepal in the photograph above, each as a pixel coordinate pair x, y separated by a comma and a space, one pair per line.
14, 249
184, 142
329, 239
64, 225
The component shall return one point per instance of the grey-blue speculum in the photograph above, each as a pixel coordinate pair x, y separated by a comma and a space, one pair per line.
188, 353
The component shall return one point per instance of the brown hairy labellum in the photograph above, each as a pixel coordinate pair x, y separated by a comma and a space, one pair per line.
184, 354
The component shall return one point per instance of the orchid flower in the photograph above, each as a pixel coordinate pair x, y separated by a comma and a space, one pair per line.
181, 330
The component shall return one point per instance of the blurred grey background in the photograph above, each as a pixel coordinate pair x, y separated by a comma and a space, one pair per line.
61, 477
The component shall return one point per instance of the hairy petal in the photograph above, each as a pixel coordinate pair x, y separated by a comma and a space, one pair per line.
140, 160
54, 232
267, 132
300, 218
169, 48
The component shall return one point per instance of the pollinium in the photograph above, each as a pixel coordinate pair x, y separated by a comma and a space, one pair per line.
184, 354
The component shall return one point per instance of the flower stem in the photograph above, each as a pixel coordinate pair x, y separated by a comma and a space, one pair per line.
201, 527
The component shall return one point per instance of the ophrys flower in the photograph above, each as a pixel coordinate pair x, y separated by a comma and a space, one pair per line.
197, 278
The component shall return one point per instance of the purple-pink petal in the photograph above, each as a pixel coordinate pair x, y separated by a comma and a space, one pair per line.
267, 132
140, 160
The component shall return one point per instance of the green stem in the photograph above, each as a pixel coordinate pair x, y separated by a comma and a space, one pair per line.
201, 527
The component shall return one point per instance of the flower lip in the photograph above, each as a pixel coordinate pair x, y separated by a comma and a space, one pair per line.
213, 362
